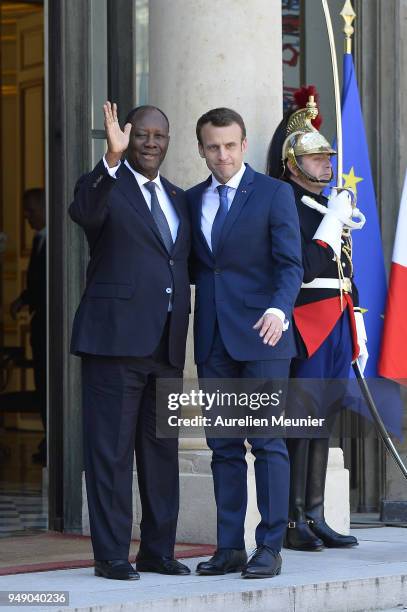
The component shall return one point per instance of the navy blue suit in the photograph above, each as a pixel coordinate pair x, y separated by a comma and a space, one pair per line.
127, 339
125, 304
257, 266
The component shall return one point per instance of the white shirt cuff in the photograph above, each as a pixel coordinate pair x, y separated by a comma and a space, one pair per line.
111, 171
280, 314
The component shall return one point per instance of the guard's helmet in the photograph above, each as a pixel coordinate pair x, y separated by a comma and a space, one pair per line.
295, 137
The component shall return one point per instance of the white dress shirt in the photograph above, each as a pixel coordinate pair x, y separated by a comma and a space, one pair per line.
210, 202
163, 199
210, 205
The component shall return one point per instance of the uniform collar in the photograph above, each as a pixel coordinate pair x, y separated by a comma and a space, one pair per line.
301, 191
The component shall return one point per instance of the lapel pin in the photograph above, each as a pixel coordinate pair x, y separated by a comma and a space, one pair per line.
173, 192
244, 191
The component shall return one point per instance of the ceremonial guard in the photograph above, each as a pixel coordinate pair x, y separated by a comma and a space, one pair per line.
329, 324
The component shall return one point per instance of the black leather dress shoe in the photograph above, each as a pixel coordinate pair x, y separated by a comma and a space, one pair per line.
116, 569
300, 537
162, 565
331, 538
224, 561
264, 563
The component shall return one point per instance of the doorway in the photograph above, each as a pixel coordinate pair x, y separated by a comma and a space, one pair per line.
23, 245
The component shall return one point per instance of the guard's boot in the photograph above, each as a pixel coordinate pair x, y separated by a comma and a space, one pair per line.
314, 507
298, 534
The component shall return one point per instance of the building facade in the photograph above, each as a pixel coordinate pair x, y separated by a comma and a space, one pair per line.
184, 56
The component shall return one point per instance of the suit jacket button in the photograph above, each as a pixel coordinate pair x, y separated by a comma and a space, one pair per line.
168, 290
171, 262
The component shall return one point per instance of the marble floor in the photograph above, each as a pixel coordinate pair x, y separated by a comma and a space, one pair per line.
23, 506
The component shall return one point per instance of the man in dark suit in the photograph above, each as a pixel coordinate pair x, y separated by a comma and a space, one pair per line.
130, 329
35, 297
247, 271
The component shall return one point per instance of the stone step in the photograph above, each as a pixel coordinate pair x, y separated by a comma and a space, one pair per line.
372, 576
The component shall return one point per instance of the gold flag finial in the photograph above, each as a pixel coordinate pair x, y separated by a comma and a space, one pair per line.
348, 15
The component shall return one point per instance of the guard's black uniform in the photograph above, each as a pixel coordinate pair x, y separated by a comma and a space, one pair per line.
318, 260
327, 344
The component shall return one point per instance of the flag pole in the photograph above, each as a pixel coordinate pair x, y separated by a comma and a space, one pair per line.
335, 74
348, 15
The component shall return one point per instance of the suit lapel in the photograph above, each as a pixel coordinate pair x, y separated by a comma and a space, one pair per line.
131, 190
197, 216
173, 194
243, 192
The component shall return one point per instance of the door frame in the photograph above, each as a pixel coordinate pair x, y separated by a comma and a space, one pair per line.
69, 154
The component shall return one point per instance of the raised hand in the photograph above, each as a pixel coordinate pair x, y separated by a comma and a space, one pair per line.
117, 140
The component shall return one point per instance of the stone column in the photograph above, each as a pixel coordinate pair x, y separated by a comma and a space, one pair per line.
204, 55
208, 54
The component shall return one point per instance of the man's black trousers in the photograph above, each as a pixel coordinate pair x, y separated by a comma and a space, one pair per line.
118, 420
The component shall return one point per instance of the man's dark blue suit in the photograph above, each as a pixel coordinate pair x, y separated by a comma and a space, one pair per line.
257, 266
125, 305
127, 338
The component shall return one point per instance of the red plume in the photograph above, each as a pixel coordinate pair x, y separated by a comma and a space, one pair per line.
301, 98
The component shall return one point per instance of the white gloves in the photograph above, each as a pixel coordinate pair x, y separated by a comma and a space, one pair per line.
337, 216
330, 231
342, 207
362, 340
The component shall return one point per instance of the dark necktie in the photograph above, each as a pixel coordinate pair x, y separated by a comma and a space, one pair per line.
220, 216
159, 217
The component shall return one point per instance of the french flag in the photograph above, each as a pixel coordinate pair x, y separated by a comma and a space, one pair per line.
393, 356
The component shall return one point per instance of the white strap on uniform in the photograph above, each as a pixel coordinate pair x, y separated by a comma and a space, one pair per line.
329, 283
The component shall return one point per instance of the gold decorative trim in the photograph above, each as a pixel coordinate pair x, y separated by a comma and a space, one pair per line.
8, 90
348, 15
9, 8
